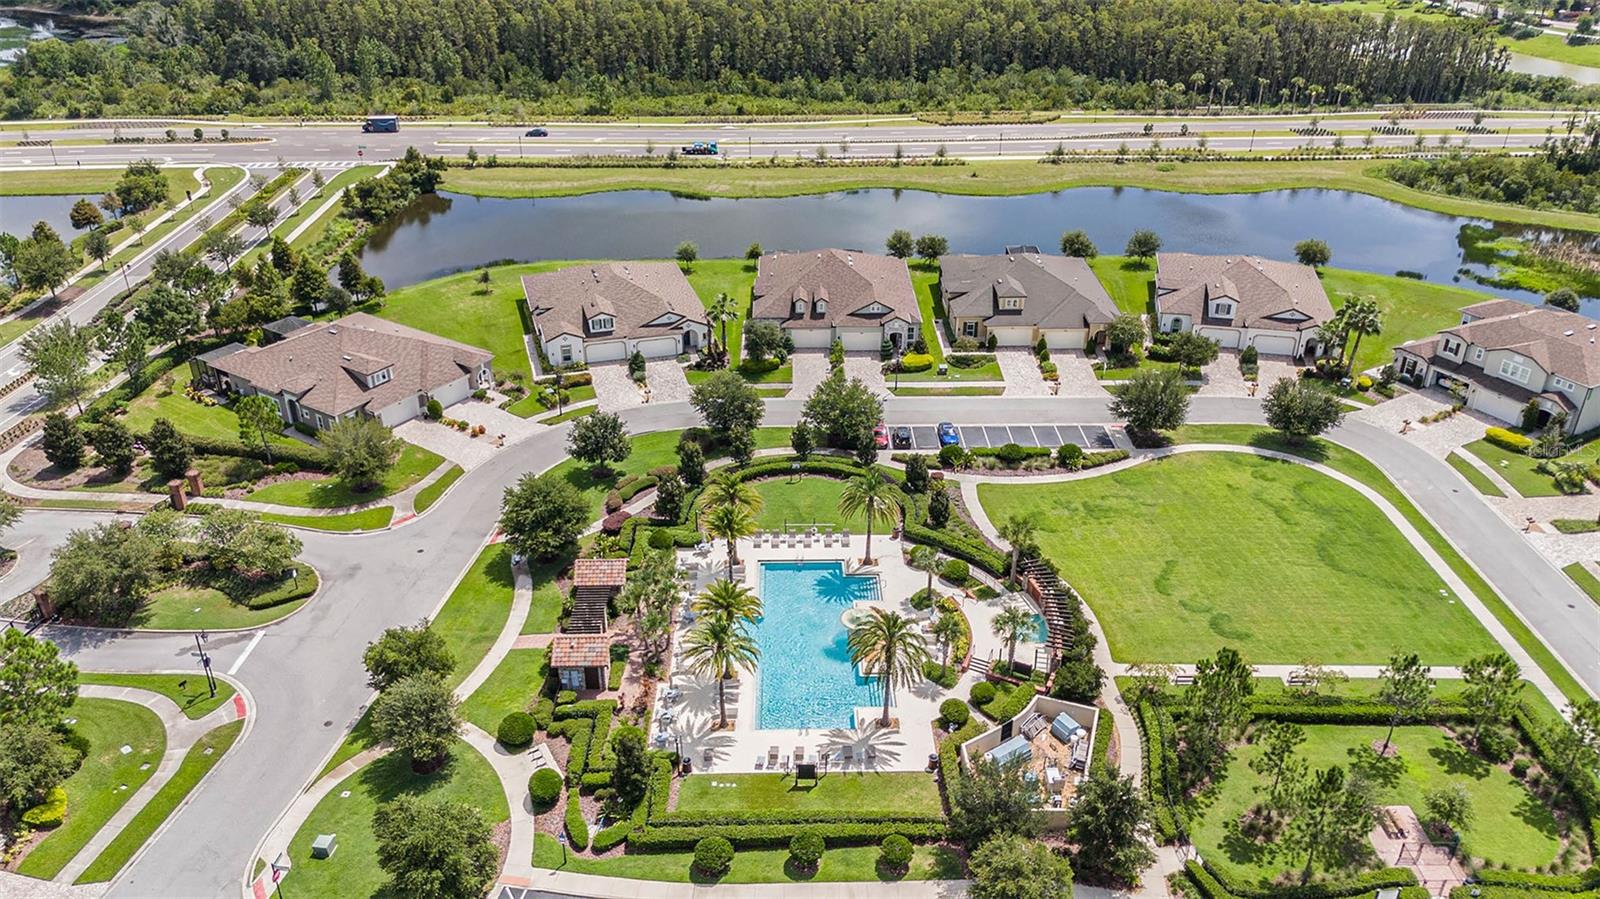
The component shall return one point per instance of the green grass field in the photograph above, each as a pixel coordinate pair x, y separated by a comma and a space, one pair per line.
412, 466
838, 865
353, 870
1520, 471
201, 758
1479, 481
511, 688
649, 451
430, 494
1128, 280
365, 520
546, 608
1185, 555
735, 277
188, 416
973, 390
901, 792
105, 782
193, 697
1411, 309
1586, 582
198, 606
476, 610
806, 501
1510, 827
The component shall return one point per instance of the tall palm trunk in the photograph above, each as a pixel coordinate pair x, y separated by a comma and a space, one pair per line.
888, 679
722, 702
867, 560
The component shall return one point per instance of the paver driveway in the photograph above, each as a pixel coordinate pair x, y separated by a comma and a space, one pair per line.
869, 368
666, 380
1075, 372
810, 369
613, 388
1021, 371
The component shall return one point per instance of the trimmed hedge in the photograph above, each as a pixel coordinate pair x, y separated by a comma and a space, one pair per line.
577, 828
1365, 884
1155, 731
713, 855
954, 711
1009, 706
611, 837
589, 708
1550, 883
950, 752
1208, 887
1494, 892
895, 851
774, 836
303, 455
516, 730
49, 813
982, 555
788, 816
544, 787
1011, 452
1508, 440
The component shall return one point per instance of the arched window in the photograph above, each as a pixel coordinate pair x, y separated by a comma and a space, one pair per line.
799, 306
821, 306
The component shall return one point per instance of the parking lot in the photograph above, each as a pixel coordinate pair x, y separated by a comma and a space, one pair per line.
1090, 437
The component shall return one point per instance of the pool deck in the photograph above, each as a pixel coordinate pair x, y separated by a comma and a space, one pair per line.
745, 747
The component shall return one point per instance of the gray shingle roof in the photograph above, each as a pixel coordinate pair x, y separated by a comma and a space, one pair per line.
645, 299
1268, 292
1056, 291
850, 282
1563, 343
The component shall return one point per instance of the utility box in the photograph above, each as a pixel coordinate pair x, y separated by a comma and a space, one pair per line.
324, 845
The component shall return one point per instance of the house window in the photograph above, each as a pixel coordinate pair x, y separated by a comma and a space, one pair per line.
1514, 371
799, 307
969, 329
566, 353
601, 323
1225, 310
821, 307
1477, 354
1175, 324
1452, 348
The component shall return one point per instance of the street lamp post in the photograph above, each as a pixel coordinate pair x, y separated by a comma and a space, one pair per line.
125, 282
52, 144
205, 662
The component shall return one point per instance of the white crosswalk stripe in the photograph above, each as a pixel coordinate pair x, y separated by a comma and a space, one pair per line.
305, 164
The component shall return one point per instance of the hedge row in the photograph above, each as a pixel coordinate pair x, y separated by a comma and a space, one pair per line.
1366, 884
308, 457
788, 816
1582, 784
1009, 706
1493, 892
577, 731
1015, 450
588, 708
1159, 768
986, 557
950, 751
1550, 883
577, 828
766, 836
1102, 457
1284, 708
1508, 440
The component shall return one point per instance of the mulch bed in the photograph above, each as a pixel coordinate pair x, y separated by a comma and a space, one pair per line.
32, 468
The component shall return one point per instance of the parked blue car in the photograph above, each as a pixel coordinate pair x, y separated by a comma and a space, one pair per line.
948, 435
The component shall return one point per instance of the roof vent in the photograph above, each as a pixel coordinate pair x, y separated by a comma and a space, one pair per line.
346, 357
1567, 333
333, 330
1592, 327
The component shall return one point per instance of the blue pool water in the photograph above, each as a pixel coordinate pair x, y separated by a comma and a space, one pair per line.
807, 678
1041, 629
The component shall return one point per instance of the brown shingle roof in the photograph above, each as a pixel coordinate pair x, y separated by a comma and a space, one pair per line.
1057, 291
1493, 308
580, 651
599, 572
325, 364
849, 281
1563, 343
1268, 292
645, 299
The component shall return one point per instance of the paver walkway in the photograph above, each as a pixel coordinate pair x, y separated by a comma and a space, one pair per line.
1020, 369
613, 387
869, 368
666, 381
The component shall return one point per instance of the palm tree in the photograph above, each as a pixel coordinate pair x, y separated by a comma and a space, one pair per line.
1224, 84
1363, 317
947, 630
728, 600
716, 648
889, 645
871, 496
1018, 531
730, 523
719, 313
1335, 332
1011, 625
925, 558
728, 489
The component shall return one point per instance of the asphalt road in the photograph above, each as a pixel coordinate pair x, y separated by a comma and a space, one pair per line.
305, 675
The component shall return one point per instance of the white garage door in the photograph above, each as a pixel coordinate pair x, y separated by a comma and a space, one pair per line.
1225, 337
608, 351
658, 347
1277, 344
858, 340
812, 338
1065, 338
1489, 403
1012, 336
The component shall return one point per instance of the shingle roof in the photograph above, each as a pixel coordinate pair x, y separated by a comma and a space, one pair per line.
221, 352
324, 365
849, 282
1057, 291
1268, 292
286, 325
1563, 343
580, 651
645, 299
599, 572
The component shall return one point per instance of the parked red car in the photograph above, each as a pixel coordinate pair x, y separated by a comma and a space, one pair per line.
880, 436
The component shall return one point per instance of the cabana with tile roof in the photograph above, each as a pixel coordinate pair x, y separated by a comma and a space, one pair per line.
581, 661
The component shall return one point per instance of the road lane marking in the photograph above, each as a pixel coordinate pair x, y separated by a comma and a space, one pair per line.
239, 662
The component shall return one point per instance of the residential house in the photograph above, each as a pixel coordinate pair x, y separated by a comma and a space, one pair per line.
1241, 301
819, 296
1505, 354
1023, 295
606, 311
357, 365
274, 331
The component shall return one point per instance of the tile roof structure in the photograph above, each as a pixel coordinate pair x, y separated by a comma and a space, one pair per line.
1563, 343
856, 289
1270, 295
1056, 291
644, 299
326, 365
599, 572
580, 651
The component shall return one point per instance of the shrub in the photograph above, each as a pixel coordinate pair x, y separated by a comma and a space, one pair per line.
954, 711
1011, 453
568, 697
660, 539
895, 851
1249, 356
577, 828
1519, 768
1507, 439
544, 787
1070, 456
713, 855
1364, 383
435, 410
916, 362
982, 693
612, 523
955, 571
516, 729
952, 456
805, 849
49, 813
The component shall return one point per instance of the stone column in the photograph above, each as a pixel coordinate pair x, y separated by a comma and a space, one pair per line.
175, 491
196, 488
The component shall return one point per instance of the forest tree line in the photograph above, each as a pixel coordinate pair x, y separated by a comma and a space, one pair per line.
614, 56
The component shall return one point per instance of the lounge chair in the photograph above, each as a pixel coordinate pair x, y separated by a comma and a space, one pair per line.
772, 756
872, 755
849, 756
759, 761
799, 754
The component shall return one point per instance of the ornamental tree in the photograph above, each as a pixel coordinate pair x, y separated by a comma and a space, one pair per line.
402, 652
542, 516
1300, 410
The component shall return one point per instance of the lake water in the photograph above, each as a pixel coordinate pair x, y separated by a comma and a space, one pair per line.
20, 27
18, 214
450, 232
1535, 65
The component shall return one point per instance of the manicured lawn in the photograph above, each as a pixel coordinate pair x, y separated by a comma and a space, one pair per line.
458, 307
1511, 826
331, 493
511, 688
569, 415
1548, 46
546, 608
925, 281
185, 414
1185, 555
1130, 282
1123, 374
107, 779
803, 501
649, 451
353, 870
1479, 481
430, 494
838, 865
194, 697
949, 391
734, 277
476, 611
1520, 470
201, 758
1411, 309
1354, 465
62, 182
365, 520
901, 792
529, 405
193, 606
1585, 581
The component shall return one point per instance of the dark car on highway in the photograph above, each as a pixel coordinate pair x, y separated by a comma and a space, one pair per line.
536, 132
948, 435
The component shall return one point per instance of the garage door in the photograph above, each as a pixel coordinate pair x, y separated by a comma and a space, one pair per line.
1277, 344
859, 340
1225, 337
608, 351
658, 347
1012, 336
1489, 403
812, 337
1065, 339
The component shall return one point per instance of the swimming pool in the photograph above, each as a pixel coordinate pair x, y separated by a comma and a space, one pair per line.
806, 676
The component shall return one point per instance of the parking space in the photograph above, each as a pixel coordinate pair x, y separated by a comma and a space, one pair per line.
1090, 437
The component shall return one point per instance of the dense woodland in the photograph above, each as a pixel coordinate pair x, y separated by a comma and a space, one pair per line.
606, 57
1565, 175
